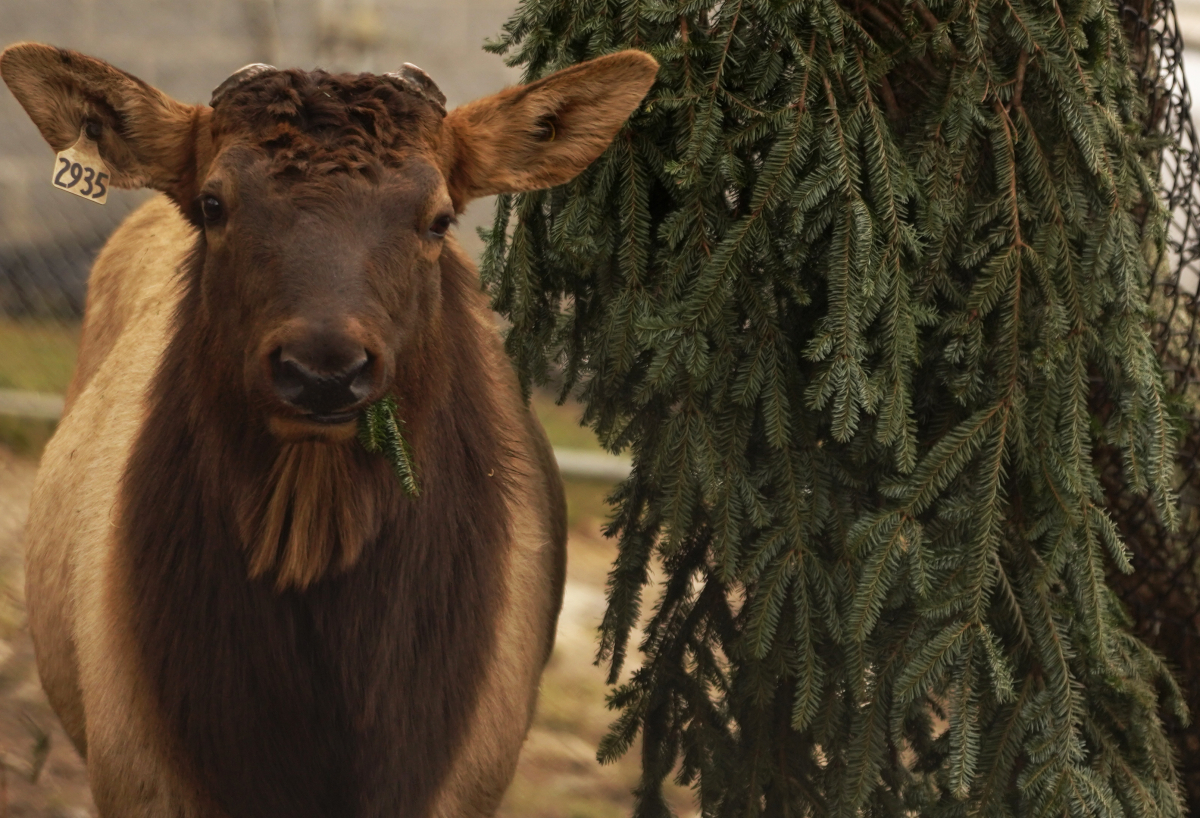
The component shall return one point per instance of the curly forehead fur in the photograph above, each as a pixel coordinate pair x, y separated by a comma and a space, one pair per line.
312, 123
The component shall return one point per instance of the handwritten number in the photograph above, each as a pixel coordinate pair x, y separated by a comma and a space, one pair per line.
58, 176
95, 184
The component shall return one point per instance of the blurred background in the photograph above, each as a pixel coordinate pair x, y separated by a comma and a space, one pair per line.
47, 242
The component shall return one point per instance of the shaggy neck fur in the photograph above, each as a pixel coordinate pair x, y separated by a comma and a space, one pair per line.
311, 639
309, 515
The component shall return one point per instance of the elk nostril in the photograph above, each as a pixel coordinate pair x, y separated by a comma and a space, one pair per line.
361, 377
287, 376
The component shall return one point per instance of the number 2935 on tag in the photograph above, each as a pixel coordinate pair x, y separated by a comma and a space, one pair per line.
80, 170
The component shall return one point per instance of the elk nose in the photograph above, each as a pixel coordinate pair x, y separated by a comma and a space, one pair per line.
324, 386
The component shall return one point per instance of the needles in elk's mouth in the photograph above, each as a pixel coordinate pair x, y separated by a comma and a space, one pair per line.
381, 431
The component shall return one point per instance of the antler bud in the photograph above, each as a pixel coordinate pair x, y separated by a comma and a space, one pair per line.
235, 79
416, 81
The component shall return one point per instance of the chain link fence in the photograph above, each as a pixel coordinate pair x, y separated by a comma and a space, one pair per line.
1163, 594
48, 240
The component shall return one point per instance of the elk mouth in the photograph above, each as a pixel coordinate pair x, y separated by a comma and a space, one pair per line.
334, 427
331, 419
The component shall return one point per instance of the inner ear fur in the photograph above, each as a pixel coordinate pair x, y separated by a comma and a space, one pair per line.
146, 138
545, 133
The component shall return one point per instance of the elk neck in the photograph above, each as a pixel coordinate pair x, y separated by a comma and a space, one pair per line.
308, 686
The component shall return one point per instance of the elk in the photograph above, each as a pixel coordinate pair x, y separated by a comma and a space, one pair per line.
236, 610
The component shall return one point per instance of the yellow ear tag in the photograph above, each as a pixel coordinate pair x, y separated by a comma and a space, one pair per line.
80, 170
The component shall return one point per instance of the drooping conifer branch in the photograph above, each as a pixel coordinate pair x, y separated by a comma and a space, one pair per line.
844, 289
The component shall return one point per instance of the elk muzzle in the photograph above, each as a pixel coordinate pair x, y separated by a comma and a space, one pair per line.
324, 376
326, 397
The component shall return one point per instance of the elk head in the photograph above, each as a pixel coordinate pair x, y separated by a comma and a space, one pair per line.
322, 202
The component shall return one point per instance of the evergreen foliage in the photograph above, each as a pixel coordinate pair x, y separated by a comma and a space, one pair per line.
381, 431
845, 288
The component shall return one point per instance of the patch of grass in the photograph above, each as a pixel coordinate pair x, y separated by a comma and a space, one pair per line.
559, 708
562, 423
586, 506
38, 356
541, 799
25, 437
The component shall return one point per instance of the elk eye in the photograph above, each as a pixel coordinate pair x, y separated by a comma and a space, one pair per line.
212, 209
440, 225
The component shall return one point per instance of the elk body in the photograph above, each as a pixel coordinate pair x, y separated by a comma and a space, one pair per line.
236, 610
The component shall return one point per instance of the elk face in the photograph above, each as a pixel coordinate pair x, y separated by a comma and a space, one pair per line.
323, 201
320, 295
324, 212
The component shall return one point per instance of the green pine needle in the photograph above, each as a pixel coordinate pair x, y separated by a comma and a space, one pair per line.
381, 431
863, 288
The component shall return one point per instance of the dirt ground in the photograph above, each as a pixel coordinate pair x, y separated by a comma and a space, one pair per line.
40, 773
558, 777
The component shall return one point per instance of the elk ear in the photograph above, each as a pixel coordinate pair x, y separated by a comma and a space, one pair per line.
146, 138
545, 133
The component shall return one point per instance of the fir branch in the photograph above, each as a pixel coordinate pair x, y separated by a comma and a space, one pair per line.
380, 431
854, 340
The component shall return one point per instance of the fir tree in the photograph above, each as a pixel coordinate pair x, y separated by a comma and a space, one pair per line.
843, 287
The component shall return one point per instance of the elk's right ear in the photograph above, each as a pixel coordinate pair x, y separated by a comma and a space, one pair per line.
146, 138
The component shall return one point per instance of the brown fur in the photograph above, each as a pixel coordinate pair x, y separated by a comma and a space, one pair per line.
114, 291
237, 612
299, 713
310, 508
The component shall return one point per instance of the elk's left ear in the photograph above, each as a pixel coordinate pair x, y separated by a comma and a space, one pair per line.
545, 133
146, 138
